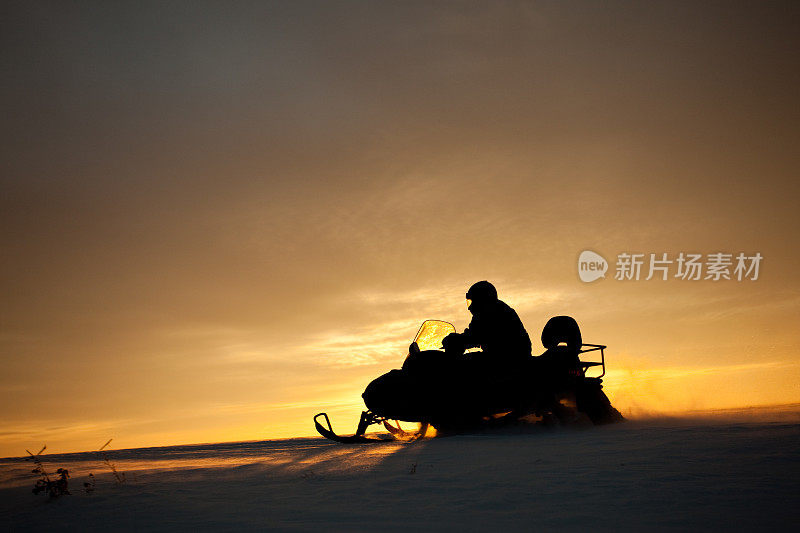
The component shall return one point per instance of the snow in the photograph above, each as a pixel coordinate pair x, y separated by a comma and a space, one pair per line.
711, 473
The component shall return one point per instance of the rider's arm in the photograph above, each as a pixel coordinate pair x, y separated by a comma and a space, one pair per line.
470, 338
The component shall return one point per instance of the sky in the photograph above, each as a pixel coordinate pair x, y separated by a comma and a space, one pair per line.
218, 219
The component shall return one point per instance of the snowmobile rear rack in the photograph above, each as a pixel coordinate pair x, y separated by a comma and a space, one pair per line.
588, 364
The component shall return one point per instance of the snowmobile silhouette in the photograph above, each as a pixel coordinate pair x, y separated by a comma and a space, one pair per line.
443, 390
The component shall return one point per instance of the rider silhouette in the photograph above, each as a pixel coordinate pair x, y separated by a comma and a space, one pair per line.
495, 328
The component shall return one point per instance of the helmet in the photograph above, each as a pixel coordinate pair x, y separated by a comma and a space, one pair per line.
483, 291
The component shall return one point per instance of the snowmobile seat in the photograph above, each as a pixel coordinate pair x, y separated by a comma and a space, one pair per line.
562, 339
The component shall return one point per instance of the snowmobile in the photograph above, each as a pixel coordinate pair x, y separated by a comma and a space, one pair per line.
454, 393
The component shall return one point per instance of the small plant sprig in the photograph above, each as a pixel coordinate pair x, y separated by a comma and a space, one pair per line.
88, 486
54, 488
120, 477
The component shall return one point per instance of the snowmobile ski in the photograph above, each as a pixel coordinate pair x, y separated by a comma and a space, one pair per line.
357, 438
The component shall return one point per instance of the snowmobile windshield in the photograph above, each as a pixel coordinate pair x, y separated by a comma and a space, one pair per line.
431, 333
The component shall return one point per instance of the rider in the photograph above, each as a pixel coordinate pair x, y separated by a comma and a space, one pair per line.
495, 328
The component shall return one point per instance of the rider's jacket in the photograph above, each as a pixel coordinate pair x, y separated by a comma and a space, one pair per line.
498, 331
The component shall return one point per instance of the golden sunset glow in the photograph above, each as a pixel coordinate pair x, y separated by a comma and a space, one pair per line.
218, 222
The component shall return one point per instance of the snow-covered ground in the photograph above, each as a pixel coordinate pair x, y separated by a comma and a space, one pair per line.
732, 471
